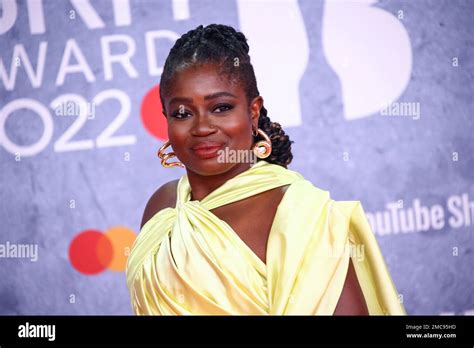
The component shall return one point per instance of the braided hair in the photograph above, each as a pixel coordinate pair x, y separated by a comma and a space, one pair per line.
224, 46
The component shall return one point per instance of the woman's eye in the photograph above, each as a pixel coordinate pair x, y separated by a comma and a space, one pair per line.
180, 114
223, 107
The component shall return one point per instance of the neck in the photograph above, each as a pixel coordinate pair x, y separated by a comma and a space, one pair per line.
202, 185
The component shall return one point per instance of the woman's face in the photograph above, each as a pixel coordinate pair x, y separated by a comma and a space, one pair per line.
206, 113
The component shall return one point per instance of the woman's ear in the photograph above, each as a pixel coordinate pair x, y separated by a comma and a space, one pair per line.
255, 107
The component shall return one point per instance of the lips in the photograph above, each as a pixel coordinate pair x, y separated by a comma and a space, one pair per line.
207, 149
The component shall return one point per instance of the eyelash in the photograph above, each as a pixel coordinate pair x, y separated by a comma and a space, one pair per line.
176, 113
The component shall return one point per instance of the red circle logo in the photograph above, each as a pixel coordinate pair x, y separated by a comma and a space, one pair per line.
151, 113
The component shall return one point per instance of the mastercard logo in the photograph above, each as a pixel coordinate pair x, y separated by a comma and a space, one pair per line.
93, 251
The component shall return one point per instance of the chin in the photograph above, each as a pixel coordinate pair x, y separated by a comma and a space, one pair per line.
208, 167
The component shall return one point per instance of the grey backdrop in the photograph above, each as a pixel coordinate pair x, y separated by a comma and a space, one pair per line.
373, 159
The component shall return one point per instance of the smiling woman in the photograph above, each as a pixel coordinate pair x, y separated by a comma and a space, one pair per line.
243, 237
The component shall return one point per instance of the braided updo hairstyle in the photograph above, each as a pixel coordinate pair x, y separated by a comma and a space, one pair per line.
224, 46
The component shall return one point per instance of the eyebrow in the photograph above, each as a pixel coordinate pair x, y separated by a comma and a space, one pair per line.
207, 97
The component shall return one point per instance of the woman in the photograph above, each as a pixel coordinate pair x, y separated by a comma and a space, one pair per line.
245, 236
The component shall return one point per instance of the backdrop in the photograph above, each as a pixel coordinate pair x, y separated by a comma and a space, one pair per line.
377, 95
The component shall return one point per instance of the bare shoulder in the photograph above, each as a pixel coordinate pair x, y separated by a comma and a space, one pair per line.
164, 197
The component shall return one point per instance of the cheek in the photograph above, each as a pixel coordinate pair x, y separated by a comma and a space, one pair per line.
177, 134
174, 129
238, 130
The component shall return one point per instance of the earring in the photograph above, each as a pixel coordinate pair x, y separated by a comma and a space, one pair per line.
165, 156
263, 148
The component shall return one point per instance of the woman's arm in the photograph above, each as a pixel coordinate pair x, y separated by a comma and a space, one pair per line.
352, 300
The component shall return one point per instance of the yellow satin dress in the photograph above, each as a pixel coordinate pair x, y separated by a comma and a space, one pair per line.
187, 261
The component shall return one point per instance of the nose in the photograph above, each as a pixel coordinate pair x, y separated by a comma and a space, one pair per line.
202, 126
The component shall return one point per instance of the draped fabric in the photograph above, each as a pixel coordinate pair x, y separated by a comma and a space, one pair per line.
188, 261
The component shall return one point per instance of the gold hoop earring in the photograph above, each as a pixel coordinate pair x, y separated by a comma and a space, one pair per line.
263, 148
165, 156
